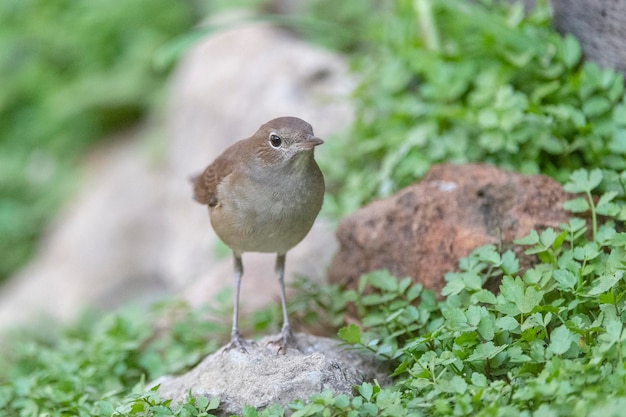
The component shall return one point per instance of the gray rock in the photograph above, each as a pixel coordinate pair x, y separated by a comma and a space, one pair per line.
133, 232
599, 25
261, 377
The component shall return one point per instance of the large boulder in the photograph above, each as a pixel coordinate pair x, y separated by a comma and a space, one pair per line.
260, 377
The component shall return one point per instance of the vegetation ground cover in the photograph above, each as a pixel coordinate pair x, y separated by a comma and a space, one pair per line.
442, 81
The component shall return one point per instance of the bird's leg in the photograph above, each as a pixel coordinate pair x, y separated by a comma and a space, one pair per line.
286, 337
236, 341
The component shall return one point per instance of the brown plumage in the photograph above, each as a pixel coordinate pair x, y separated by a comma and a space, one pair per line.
205, 184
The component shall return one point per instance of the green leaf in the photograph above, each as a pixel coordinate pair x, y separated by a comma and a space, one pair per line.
474, 314
350, 334
458, 384
512, 289
414, 291
577, 205
489, 254
619, 239
516, 355
548, 237
561, 340
486, 326
479, 380
605, 283
605, 206
614, 334
531, 299
619, 114
596, 106
485, 351
618, 142
524, 298
510, 264
571, 51
249, 411
366, 390
582, 181
455, 319
531, 239
484, 296
575, 227
507, 323
565, 278
606, 198
213, 404
587, 252
383, 280
342, 401
453, 287
104, 407
472, 280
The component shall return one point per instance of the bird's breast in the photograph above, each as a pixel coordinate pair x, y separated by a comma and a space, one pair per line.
265, 212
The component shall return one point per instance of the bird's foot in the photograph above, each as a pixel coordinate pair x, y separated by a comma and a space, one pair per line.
239, 343
285, 340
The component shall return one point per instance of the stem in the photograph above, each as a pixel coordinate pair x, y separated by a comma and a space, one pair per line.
594, 220
430, 35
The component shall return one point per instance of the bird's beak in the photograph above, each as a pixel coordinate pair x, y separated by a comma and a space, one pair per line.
312, 142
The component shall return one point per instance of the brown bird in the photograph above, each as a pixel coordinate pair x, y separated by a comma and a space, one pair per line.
264, 194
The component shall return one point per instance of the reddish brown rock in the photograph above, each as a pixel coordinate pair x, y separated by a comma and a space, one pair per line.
425, 229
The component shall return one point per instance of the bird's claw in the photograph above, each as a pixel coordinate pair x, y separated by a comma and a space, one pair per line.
285, 340
239, 343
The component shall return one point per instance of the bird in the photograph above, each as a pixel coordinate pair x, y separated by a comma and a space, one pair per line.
263, 194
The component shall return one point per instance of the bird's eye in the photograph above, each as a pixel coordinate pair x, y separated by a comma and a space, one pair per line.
275, 141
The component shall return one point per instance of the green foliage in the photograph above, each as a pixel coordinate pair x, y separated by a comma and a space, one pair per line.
328, 20
551, 342
150, 404
457, 81
451, 81
71, 71
84, 370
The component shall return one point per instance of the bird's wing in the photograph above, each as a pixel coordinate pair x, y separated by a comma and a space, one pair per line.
205, 184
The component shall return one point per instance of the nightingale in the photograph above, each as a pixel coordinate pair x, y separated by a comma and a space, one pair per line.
263, 195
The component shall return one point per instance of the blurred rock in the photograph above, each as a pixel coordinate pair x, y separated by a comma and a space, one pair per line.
599, 25
424, 229
218, 97
261, 377
134, 232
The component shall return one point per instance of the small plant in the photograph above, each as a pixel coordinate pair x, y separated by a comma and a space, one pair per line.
458, 81
552, 342
88, 369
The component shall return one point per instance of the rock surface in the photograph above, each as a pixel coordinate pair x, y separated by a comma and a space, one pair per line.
425, 229
261, 377
599, 25
134, 231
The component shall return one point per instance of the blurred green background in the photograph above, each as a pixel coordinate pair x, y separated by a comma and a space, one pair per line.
74, 71
441, 81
